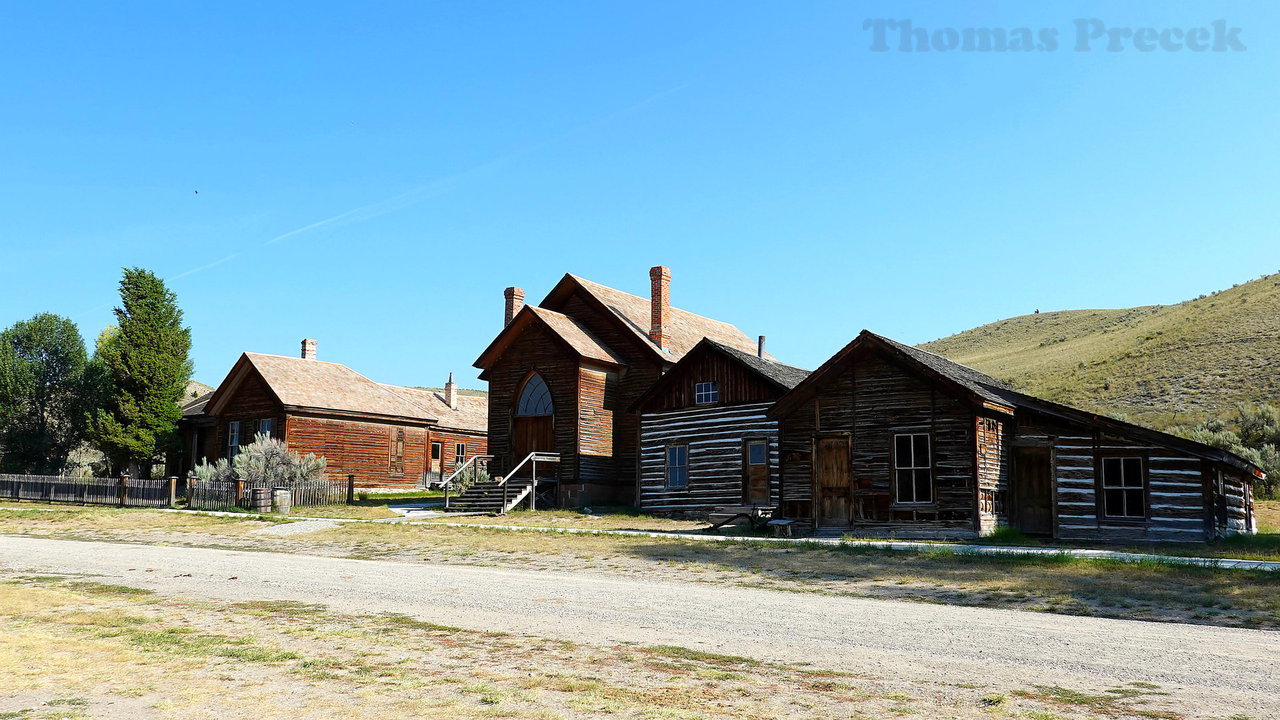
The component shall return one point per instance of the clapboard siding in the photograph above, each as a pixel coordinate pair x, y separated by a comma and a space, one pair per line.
715, 438
362, 449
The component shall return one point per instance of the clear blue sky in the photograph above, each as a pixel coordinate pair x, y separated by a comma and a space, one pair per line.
374, 176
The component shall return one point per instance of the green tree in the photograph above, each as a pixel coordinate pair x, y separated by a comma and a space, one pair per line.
42, 364
141, 369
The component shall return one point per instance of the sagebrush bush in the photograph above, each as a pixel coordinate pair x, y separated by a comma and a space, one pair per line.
265, 459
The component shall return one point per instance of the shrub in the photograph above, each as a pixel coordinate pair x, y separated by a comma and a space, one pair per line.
467, 478
265, 460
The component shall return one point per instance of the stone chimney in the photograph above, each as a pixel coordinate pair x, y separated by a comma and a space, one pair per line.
515, 301
660, 306
451, 393
760, 348
308, 349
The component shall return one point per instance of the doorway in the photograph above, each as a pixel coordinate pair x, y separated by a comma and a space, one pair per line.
1033, 490
755, 472
833, 481
533, 424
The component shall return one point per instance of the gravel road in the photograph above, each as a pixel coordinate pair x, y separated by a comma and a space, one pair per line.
1209, 671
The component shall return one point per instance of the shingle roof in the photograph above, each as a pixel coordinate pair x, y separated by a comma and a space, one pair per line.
472, 413
786, 376
685, 329
320, 385
577, 335
195, 406
979, 383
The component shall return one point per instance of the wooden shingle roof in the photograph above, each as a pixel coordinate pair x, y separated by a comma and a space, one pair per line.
472, 413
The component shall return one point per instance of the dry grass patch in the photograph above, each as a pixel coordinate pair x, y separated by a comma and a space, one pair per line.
65, 648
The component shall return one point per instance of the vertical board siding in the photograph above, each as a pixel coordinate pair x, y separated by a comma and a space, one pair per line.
714, 436
993, 462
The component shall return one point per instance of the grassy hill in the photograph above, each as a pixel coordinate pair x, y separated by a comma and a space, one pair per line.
1157, 365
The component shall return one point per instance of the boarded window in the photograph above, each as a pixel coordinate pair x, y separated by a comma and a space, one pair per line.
1123, 488
913, 468
705, 393
677, 466
757, 453
535, 398
397, 452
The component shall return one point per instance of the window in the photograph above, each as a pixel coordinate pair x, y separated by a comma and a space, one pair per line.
233, 438
677, 466
706, 392
1123, 489
267, 426
757, 452
460, 453
912, 468
436, 450
535, 398
397, 452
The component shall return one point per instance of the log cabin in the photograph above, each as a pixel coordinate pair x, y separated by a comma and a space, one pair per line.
384, 435
562, 375
886, 439
705, 439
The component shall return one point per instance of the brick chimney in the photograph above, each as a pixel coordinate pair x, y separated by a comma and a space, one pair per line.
308, 349
515, 301
760, 348
659, 305
451, 393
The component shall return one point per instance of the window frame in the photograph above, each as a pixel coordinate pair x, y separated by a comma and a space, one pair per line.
1143, 488
667, 466
913, 469
706, 392
762, 442
437, 451
233, 439
270, 424
459, 453
397, 451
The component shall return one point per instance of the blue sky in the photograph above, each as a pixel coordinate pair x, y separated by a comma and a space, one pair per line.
374, 177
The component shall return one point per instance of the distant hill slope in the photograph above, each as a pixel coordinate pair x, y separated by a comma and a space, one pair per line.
1157, 365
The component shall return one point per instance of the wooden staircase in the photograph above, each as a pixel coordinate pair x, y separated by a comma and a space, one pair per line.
494, 497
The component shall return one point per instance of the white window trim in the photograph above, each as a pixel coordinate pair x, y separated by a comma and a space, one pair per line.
666, 467
708, 396
897, 465
459, 452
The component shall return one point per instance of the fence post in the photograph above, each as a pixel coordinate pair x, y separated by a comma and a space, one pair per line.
173, 490
191, 489
124, 488
533, 485
239, 490
351, 489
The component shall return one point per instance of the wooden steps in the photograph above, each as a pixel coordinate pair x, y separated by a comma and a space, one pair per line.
488, 497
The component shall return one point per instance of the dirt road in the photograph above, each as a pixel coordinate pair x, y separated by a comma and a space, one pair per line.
1209, 671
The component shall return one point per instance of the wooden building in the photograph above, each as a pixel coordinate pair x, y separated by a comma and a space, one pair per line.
563, 374
705, 440
384, 435
889, 439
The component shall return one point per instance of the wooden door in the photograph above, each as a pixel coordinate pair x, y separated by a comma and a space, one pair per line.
533, 434
755, 472
1033, 490
437, 453
833, 481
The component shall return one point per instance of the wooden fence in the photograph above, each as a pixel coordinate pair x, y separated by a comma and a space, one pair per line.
226, 495
121, 492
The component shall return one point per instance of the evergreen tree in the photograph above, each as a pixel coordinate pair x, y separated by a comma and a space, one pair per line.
42, 364
142, 370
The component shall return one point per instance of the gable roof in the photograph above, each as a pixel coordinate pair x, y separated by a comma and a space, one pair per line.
195, 406
319, 386
997, 395
772, 372
684, 329
569, 331
472, 413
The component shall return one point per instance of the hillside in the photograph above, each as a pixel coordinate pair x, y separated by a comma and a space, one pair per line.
1157, 365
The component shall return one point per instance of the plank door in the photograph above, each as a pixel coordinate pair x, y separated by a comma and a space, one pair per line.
1033, 490
755, 472
833, 481
533, 434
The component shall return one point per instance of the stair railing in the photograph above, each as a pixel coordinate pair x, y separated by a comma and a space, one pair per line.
472, 462
533, 458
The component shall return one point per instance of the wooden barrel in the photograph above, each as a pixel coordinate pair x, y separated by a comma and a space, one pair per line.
260, 500
281, 500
